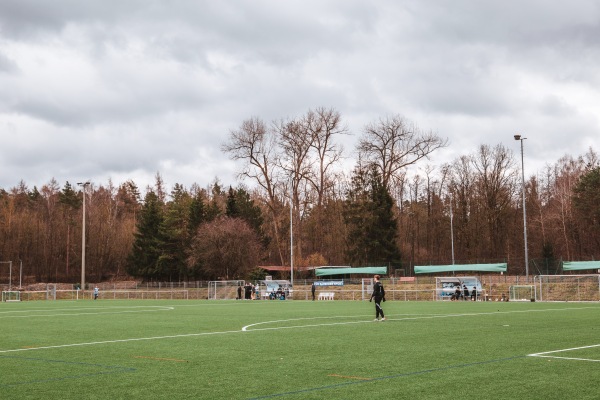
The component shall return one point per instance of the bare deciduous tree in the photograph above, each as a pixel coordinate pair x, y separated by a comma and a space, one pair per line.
392, 144
256, 145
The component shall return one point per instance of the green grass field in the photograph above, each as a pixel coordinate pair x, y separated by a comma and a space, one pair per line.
298, 350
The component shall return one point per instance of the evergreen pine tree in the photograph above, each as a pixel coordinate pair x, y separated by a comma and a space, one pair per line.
368, 214
174, 236
147, 244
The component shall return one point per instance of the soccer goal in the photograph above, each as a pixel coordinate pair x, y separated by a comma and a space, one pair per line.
568, 287
11, 295
522, 293
367, 288
224, 290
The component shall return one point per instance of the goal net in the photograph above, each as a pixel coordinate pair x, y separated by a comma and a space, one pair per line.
11, 295
367, 288
522, 293
224, 290
568, 287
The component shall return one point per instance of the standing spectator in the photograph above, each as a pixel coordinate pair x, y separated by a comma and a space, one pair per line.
465, 292
239, 292
474, 294
312, 290
379, 295
96, 292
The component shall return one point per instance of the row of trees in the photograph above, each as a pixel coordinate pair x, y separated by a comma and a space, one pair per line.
383, 212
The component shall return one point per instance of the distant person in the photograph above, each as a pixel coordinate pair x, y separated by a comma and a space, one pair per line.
457, 293
96, 292
379, 295
474, 294
465, 292
312, 290
239, 292
248, 291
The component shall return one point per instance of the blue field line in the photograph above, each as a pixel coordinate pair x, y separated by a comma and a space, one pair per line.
111, 369
381, 378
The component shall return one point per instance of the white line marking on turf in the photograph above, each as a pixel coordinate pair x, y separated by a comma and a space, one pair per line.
246, 328
132, 309
118, 341
545, 353
563, 350
567, 358
408, 317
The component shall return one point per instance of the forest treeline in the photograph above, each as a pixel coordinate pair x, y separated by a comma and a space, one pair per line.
384, 211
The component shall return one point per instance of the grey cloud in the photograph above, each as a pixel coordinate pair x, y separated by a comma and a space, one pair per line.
7, 65
125, 89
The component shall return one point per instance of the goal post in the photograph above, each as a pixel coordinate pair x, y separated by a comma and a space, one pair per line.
11, 295
224, 290
367, 288
522, 293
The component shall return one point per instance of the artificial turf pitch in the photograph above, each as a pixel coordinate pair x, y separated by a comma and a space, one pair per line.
111, 349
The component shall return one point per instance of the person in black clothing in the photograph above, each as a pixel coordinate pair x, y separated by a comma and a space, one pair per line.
379, 295
312, 290
457, 293
239, 292
465, 293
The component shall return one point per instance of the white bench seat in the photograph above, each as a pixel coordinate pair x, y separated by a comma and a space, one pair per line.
326, 295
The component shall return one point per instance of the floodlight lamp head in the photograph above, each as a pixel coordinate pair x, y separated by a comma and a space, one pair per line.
517, 137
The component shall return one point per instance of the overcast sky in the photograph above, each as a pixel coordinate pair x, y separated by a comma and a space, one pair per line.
123, 89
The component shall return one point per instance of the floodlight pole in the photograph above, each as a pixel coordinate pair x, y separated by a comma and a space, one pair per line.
452, 229
519, 138
84, 186
291, 231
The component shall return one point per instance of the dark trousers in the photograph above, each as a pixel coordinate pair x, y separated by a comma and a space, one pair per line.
378, 309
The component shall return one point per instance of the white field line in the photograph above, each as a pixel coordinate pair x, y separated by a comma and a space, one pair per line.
407, 317
245, 328
117, 341
545, 354
136, 309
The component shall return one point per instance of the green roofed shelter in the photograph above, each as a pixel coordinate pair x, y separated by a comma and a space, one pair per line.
430, 269
349, 270
579, 265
